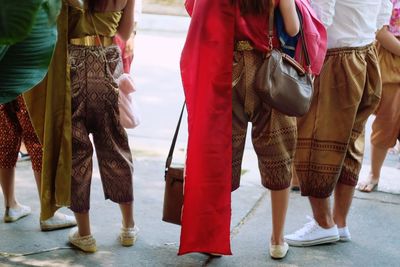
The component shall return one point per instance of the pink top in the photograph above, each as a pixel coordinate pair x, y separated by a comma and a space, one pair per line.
253, 28
394, 25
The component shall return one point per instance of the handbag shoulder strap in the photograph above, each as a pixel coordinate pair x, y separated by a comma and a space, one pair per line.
271, 32
172, 148
303, 41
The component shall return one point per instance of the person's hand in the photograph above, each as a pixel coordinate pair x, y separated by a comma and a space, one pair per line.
129, 46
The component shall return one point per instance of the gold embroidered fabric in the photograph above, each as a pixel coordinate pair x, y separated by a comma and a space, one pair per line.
330, 144
273, 133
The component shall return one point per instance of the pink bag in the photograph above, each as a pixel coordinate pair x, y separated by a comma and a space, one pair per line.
315, 37
128, 110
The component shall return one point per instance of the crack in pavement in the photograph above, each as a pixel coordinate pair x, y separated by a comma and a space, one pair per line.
235, 230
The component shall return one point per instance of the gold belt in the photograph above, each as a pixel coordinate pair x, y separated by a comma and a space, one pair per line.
243, 46
92, 40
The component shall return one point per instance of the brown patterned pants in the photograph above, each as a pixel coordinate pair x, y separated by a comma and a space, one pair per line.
15, 125
95, 111
330, 144
273, 134
386, 126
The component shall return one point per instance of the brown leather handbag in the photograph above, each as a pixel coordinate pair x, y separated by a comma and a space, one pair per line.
173, 194
281, 81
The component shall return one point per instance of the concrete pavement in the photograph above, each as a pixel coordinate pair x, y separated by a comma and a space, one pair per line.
373, 219
373, 223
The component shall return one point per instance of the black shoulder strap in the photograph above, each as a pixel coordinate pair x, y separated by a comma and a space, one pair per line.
172, 148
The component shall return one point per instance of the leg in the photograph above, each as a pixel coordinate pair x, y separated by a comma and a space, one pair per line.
324, 137
115, 161
127, 214
82, 152
129, 230
385, 130
378, 156
38, 180
82, 218
7, 185
31, 142
116, 169
10, 140
23, 148
14, 210
295, 184
320, 230
343, 198
279, 205
352, 163
81, 171
321, 209
274, 140
239, 118
278, 248
34, 148
81, 237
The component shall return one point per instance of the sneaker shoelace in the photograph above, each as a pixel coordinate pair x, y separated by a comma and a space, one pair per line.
308, 228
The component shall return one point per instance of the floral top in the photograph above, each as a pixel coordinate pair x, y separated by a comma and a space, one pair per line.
394, 25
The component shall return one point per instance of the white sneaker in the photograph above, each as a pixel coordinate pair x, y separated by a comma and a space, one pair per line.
312, 234
58, 221
14, 214
278, 251
344, 234
128, 236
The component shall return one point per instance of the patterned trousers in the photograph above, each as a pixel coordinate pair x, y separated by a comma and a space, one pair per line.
386, 126
330, 144
15, 125
273, 133
95, 111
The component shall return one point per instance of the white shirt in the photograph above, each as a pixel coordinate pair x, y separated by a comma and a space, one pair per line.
352, 23
138, 10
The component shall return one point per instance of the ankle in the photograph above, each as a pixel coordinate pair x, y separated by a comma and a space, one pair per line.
374, 176
13, 204
128, 224
340, 222
277, 241
325, 222
84, 232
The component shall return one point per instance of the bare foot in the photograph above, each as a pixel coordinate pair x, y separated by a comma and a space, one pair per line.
368, 185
